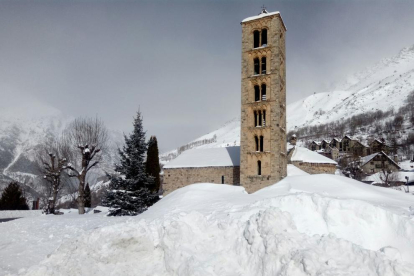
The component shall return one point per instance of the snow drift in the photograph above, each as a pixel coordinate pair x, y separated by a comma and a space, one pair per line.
304, 225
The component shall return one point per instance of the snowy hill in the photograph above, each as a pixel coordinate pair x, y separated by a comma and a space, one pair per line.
380, 87
383, 86
303, 225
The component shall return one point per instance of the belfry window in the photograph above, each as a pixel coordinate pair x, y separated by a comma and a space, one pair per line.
255, 119
257, 142
264, 118
256, 39
256, 93
263, 65
256, 62
263, 92
259, 167
261, 143
264, 37
260, 118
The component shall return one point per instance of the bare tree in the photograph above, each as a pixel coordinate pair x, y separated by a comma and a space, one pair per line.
52, 164
387, 176
85, 139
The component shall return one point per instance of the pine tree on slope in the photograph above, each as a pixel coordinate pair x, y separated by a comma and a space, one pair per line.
128, 192
12, 198
153, 163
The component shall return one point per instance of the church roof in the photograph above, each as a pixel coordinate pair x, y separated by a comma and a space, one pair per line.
211, 157
308, 156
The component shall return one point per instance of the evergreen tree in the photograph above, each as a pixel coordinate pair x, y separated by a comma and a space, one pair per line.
128, 192
153, 163
12, 198
87, 195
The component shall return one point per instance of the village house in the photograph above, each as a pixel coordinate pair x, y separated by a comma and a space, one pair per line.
378, 162
310, 161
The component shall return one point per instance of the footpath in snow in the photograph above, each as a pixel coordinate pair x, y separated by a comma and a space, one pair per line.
303, 225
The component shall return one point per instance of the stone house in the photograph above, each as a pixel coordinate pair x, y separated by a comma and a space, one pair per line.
378, 146
377, 162
213, 165
315, 146
310, 161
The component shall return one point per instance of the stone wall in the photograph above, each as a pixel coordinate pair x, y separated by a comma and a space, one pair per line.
176, 178
375, 166
315, 168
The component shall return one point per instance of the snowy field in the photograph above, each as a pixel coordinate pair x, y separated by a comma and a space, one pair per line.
303, 225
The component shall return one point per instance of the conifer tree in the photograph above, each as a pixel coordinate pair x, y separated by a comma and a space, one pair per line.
153, 163
12, 198
88, 198
128, 192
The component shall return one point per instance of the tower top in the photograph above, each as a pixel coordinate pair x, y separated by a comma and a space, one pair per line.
262, 14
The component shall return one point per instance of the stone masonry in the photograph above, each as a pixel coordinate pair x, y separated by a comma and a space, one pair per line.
271, 108
175, 178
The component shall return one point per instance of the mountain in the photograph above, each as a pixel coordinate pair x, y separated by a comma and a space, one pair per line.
24, 125
382, 86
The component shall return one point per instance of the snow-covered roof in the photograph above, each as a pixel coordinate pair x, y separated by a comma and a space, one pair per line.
260, 15
211, 157
308, 156
368, 158
263, 14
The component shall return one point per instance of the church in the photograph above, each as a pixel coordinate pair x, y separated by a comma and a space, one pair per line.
261, 159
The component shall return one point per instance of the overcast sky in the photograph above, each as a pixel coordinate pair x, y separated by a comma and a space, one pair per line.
179, 61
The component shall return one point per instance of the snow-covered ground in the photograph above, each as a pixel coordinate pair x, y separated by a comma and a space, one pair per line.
303, 225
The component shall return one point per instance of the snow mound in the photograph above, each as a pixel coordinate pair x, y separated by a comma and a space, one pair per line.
303, 225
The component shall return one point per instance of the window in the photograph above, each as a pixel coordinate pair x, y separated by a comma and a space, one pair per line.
264, 118
256, 66
255, 119
263, 65
264, 37
256, 39
259, 167
222, 179
263, 92
256, 93
261, 143
257, 142
260, 118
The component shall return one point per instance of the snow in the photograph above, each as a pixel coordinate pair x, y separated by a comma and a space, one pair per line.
20, 214
292, 170
212, 157
308, 156
261, 15
303, 225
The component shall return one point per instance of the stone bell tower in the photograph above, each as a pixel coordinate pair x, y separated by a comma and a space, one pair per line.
263, 159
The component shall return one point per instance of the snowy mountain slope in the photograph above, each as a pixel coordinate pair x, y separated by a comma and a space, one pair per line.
383, 86
380, 87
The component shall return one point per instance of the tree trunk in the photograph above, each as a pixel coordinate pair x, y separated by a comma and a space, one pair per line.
81, 193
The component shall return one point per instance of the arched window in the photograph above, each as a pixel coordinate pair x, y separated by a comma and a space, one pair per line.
256, 39
256, 93
256, 66
263, 65
264, 118
264, 37
259, 167
257, 142
261, 143
255, 119
260, 118
263, 92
